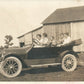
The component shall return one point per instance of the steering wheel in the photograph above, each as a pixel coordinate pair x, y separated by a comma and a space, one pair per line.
36, 41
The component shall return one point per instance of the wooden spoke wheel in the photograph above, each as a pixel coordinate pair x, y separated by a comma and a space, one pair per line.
11, 67
69, 63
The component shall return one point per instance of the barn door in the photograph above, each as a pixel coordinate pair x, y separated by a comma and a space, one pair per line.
77, 32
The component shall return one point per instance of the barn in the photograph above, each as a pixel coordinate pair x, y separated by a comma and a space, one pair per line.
64, 20
26, 39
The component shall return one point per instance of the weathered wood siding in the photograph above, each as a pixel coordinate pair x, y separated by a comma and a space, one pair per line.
28, 38
21, 39
77, 31
39, 31
56, 29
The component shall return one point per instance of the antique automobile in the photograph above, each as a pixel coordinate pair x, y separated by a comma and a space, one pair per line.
13, 60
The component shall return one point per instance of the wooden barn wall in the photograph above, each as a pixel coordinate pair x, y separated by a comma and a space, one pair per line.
52, 30
39, 31
77, 32
28, 38
56, 29
21, 39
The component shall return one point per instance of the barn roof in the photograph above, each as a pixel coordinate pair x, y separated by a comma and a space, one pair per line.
66, 15
30, 32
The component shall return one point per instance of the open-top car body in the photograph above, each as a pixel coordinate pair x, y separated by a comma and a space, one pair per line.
14, 59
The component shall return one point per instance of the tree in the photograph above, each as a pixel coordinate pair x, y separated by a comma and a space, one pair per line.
8, 39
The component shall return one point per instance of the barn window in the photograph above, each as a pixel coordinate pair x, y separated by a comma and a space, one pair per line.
22, 44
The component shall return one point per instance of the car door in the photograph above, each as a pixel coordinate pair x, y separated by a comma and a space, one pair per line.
42, 55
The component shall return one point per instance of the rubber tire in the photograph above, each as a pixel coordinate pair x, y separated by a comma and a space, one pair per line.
74, 60
15, 74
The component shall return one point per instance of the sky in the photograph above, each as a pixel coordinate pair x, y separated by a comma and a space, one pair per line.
20, 16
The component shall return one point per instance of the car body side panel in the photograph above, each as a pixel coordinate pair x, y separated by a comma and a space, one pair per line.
43, 56
42, 53
41, 61
36, 56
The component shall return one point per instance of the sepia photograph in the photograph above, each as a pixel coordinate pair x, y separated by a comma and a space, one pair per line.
42, 40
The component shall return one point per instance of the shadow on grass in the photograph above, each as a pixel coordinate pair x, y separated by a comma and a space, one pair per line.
42, 70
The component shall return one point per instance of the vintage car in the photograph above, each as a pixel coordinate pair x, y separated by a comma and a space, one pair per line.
13, 60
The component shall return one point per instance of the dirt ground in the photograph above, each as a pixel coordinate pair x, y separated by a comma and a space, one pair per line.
49, 74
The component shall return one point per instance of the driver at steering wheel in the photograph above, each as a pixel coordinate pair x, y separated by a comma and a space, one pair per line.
37, 42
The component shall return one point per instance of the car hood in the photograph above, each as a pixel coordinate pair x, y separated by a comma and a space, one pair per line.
16, 51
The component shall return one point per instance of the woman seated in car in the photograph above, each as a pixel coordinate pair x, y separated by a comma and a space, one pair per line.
44, 40
52, 41
65, 39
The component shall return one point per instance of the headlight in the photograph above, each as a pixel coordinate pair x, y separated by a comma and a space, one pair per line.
1, 57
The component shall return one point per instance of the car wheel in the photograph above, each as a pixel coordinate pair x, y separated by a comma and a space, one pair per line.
11, 67
69, 63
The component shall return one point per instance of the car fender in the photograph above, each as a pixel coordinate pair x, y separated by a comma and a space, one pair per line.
14, 55
64, 52
68, 52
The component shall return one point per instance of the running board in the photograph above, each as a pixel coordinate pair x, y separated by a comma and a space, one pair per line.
45, 65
